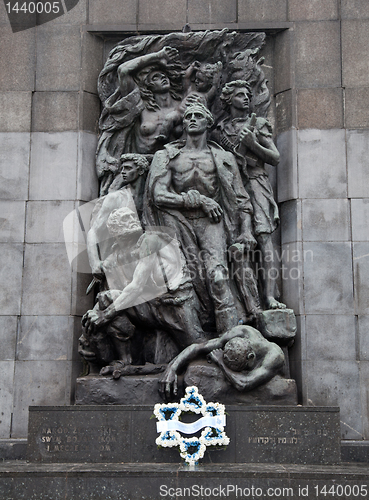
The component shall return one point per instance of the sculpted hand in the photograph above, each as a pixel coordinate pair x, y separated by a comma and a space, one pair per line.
168, 53
215, 356
192, 199
248, 137
97, 272
93, 319
168, 385
247, 239
193, 98
212, 209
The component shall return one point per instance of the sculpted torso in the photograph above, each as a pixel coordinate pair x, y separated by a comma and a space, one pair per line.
150, 126
195, 170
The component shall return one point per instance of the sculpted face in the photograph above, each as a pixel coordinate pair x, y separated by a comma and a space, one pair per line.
158, 82
123, 223
240, 99
195, 122
129, 171
202, 82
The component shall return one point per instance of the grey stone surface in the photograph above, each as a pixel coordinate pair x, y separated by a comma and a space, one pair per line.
297, 353
313, 437
45, 338
322, 164
354, 9
316, 67
11, 258
142, 481
337, 382
354, 451
285, 112
325, 220
355, 53
87, 182
313, 10
22, 50
12, 218
46, 280
38, 383
14, 165
55, 111
328, 278
357, 163
283, 75
15, 111
6, 397
137, 481
360, 218
13, 449
45, 221
287, 167
278, 325
290, 213
80, 302
263, 10
112, 11
92, 60
53, 170
357, 107
330, 337
361, 277
212, 11
89, 112
96, 390
8, 327
77, 15
364, 383
162, 12
292, 272
320, 108
58, 57
363, 332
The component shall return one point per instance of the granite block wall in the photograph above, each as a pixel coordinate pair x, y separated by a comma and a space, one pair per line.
317, 61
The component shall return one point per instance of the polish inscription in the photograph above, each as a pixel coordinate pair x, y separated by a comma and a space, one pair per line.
77, 439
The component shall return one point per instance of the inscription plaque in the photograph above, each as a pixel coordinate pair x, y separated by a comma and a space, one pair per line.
115, 434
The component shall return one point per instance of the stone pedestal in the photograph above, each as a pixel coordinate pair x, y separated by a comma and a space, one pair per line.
114, 434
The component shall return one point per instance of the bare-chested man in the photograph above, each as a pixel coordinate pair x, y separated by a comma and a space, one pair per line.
196, 189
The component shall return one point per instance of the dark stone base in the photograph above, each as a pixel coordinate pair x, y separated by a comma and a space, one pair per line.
22, 481
132, 390
355, 451
143, 389
116, 434
13, 449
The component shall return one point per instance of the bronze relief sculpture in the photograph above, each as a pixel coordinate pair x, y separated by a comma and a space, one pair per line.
185, 201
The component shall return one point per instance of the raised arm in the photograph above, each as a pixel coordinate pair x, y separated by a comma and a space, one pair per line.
128, 68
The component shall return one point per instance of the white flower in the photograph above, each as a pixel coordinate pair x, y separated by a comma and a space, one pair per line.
210, 436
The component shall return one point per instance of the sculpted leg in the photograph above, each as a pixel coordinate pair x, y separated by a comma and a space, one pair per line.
271, 271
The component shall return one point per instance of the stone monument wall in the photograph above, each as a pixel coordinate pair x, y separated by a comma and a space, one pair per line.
317, 63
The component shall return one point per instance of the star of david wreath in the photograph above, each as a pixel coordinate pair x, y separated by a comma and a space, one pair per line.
170, 427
